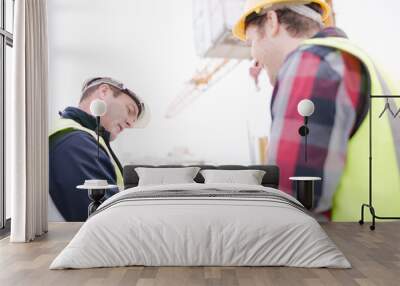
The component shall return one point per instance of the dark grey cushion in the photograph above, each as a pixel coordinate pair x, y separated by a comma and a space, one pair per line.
270, 179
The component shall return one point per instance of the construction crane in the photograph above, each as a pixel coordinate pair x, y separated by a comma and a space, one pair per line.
213, 72
217, 68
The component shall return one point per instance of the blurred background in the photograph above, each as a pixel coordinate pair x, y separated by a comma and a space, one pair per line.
180, 57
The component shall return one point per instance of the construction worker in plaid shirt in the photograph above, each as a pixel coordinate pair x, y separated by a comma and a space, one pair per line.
307, 59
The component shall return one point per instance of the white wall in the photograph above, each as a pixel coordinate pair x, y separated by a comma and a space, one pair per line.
374, 26
149, 46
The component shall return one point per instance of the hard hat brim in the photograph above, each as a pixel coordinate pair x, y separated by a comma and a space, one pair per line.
239, 29
144, 118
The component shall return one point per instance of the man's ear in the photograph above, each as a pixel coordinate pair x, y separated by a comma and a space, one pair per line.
103, 88
272, 24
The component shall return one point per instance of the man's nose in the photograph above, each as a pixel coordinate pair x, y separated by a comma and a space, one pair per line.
130, 122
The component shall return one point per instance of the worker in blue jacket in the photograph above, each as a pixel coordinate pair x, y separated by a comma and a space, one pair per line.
73, 144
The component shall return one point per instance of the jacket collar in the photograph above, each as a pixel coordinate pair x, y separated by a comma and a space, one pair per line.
84, 119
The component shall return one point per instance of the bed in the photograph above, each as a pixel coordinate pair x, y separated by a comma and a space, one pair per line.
201, 224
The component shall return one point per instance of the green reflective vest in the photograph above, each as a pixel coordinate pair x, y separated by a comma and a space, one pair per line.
352, 190
67, 125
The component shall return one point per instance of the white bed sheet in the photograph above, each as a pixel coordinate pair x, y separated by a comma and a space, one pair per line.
200, 232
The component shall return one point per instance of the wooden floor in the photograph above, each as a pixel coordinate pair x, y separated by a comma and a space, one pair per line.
375, 257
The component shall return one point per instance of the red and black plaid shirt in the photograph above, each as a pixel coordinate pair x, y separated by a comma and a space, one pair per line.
338, 85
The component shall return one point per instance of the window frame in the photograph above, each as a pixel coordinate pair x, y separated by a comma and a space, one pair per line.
6, 39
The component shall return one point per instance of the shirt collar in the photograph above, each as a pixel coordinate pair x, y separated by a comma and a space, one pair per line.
327, 32
330, 32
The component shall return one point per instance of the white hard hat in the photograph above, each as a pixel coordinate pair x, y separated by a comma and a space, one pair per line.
144, 112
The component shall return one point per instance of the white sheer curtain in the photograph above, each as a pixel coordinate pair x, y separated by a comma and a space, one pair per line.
28, 132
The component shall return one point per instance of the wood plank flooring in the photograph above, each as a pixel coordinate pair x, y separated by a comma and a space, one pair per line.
375, 257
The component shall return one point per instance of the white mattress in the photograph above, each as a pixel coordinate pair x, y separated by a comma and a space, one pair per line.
202, 231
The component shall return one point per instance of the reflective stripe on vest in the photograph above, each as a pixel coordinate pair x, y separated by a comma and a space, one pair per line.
353, 188
63, 124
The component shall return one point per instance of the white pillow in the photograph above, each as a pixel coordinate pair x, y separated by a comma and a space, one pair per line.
248, 177
166, 176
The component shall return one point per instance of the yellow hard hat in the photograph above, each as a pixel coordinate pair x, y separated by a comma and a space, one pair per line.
251, 6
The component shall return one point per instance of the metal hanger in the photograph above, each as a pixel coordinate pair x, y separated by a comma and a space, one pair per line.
387, 107
397, 113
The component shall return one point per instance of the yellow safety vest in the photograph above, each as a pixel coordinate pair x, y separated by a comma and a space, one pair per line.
66, 125
353, 188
